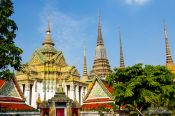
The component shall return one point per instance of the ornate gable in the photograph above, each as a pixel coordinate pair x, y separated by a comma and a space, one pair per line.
37, 58
98, 96
74, 71
9, 89
59, 59
12, 99
97, 91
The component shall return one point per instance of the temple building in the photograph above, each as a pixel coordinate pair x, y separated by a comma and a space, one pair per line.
99, 99
38, 77
12, 101
101, 67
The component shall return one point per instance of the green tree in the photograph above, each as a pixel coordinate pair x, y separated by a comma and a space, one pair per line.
9, 53
143, 87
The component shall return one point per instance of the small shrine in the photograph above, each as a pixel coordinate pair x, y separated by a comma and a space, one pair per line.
60, 105
99, 99
12, 101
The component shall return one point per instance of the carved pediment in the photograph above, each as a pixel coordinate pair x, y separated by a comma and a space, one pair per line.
37, 58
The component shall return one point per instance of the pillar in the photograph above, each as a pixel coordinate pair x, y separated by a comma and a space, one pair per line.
27, 93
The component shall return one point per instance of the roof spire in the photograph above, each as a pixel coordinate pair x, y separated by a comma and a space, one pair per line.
48, 39
99, 38
48, 27
122, 64
85, 75
169, 60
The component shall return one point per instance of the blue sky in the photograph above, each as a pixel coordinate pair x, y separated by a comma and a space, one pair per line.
74, 25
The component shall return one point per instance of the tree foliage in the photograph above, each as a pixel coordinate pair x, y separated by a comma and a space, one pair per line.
143, 87
9, 53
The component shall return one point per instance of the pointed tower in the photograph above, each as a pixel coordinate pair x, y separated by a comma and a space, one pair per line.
48, 40
85, 75
169, 60
48, 49
122, 63
101, 65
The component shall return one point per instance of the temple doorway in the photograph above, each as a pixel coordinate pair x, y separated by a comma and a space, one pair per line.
60, 112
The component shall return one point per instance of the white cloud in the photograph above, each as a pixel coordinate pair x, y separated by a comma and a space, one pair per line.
137, 2
68, 32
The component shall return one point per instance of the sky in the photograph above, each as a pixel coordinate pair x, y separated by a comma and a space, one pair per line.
74, 26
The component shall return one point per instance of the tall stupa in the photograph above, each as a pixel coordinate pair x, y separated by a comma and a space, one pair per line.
101, 67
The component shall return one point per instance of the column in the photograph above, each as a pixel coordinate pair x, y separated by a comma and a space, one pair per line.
27, 93
80, 95
72, 91
75, 92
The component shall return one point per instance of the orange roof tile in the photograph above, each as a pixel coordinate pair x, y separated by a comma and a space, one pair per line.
110, 89
2, 83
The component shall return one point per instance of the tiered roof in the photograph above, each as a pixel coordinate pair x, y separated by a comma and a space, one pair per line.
48, 59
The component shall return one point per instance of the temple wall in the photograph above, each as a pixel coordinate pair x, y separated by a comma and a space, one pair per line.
77, 89
96, 113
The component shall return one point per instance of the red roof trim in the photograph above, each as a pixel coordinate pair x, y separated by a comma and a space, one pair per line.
98, 100
2, 82
18, 88
11, 99
110, 89
15, 107
95, 106
124, 106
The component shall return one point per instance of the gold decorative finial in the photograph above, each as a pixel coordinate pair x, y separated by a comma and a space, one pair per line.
165, 29
99, 18
48, 27
38, 101
48, 39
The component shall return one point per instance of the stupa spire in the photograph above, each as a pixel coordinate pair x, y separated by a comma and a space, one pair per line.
99, 38
85, 75
101, 65
48, 27
122, 64
169, 60
48, 39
